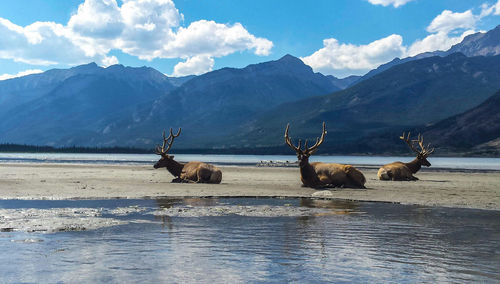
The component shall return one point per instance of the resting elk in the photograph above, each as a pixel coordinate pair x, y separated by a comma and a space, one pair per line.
198, 172
321, 175
405, 171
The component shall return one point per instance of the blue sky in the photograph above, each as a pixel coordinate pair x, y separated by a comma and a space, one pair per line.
183, 37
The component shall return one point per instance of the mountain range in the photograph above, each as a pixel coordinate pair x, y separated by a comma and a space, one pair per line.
414, 93
438, 93
478, 44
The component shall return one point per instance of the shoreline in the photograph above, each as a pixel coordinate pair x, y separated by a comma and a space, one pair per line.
457, 188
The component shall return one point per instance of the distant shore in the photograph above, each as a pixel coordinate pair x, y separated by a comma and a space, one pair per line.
447, 188
271, 150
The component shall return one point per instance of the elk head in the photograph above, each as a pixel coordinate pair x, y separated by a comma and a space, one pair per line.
424, 151
303, 155
166, 159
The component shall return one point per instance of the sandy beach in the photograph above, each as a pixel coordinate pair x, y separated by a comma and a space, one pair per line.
461, 189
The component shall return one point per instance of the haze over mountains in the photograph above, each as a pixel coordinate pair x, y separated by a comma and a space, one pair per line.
249, 107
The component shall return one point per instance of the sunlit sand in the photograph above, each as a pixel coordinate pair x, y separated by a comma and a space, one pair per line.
463, 189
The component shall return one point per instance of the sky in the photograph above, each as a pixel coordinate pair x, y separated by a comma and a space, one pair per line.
185, 37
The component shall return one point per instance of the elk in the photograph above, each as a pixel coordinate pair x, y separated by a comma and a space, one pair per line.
197, 172
322, 175
405, 171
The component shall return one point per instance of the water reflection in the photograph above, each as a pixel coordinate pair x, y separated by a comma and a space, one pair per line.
171, 202
338, 207
368, 242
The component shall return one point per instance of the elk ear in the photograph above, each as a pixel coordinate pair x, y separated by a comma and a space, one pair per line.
171, 156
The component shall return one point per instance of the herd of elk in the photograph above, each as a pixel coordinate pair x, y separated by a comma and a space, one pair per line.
314, 175
405, 171
198, 172
321, 175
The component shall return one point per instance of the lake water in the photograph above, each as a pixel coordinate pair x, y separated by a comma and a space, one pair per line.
247, 240
437, 162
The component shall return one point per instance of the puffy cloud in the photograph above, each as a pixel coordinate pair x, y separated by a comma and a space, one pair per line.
195, 65
342, 59
149, 26
448, 21
395, 3
213, 39
487, 10
109, 60
20, 74
437, 41
42, 43
445, 30
448, 29
97, 19
147, 29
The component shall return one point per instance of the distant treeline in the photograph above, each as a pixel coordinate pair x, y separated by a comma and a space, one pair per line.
16, 148
278, 150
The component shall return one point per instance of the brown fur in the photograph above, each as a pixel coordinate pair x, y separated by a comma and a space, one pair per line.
198, 172
405, 171
400, 170
337, 175
201, 172
320, 175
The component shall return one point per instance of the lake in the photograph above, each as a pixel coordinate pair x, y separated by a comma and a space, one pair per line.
437, 162
246, 240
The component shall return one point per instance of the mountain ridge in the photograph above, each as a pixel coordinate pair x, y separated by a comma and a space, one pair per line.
410, 94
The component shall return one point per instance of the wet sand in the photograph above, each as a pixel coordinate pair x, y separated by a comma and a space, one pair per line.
466, 189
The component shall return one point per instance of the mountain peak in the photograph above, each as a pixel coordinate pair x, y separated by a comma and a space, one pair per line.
288, 57
479, 44
92, 66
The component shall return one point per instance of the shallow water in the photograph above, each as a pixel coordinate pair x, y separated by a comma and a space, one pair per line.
437, 162
250, 240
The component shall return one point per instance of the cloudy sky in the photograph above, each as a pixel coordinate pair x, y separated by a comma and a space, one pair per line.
183, 37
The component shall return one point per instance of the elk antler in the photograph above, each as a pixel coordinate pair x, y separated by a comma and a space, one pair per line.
409, 142
420, 140
319, 141
310, 150
167, 141
424, 150
289, 142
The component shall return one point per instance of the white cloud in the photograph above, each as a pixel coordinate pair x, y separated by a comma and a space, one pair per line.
147, 29
213, 39
42, 43
342, 59
195, 65
395, 3
445, 30
487, 10
438, 41
448, 21
448, 29
20, 74
109, 60
97, 19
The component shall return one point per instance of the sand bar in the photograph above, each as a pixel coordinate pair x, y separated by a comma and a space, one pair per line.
468, 189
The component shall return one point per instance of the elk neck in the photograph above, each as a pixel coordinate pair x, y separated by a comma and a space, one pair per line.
308, 174
174, 167
414, 165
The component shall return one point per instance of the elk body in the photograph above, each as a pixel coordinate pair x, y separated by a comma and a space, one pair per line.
198, 172
321, 175
405, 171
